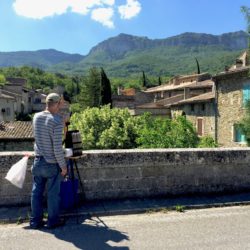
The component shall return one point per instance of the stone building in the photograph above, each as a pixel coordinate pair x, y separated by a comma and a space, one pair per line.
232, 92
7, 111
131, 99
16, 136
192, 96
200, 110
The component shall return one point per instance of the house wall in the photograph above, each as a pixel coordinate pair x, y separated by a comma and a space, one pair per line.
23, 104
8, 106
230, 108
123, 101
207, 115
116, 174
160, 112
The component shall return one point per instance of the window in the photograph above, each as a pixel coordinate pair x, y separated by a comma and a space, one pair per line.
192, 107
37, 100
203, 107
246, 93
200, 126
8, 111
238, 136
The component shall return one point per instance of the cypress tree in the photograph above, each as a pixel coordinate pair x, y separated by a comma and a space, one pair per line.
159, 81
144, 80
91, 91
106, 95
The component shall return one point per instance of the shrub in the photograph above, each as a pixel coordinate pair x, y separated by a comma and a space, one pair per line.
166, 133
207, 142
105, 128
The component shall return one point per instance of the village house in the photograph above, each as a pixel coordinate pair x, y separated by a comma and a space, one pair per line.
190, 95
17, 99
16, 85
232, 93
130, 98
7, 103
214, 105
16, 136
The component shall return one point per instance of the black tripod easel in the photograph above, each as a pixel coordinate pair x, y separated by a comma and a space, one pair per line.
77, 199
72, 163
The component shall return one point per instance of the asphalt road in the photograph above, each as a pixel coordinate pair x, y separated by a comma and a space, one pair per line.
214, 228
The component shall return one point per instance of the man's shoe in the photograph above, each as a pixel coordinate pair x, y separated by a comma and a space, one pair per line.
37, 226
60, 223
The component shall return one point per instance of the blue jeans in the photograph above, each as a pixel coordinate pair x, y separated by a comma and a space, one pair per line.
45, 173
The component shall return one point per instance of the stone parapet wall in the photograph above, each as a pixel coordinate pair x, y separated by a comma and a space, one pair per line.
116, 174
16, 145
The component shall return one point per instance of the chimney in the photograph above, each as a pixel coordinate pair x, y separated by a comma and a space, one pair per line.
119, 90
239, 63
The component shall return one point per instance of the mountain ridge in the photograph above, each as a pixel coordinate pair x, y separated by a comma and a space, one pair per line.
127, 55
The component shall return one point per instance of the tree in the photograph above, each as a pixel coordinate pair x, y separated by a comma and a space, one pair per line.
106, 95
207, 142
144, 80
90, 93
2, 80
246, 11
105, 128
159, 81
166, 133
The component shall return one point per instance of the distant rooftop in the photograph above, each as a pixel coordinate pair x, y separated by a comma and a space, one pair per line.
16, 80
16, 130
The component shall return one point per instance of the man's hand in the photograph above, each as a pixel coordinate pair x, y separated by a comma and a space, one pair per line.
64, 171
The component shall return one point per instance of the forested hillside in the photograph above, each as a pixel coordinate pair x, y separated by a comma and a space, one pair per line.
127, 56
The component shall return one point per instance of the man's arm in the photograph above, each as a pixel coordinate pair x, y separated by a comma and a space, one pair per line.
58, 150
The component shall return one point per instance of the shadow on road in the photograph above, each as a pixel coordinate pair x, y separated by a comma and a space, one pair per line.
93, 235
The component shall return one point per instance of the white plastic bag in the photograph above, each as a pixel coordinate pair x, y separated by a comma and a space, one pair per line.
16, 174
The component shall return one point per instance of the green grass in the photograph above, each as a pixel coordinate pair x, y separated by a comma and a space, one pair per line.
180, 208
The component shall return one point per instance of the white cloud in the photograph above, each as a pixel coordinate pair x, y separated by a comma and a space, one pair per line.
101, 10
40, 9
104, 16
129, 10
84, 6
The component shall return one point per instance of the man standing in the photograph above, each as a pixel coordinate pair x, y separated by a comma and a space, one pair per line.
48, 163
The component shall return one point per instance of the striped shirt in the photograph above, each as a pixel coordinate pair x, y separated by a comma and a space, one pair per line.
48, 129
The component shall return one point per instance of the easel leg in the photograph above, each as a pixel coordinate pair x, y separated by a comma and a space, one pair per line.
80, 181
74, 188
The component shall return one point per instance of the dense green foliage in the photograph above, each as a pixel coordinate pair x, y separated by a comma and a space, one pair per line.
161, 61
39, 79
166, 133
207, 142
105, 128
127, 56
106, 93
84, 91
39, 59
90, 93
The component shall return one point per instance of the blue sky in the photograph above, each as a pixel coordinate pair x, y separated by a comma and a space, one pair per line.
75, 26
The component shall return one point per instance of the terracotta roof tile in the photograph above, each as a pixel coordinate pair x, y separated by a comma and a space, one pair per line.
16, 130
194, 84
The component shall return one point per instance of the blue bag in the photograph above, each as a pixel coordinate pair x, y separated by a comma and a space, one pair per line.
68, 193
